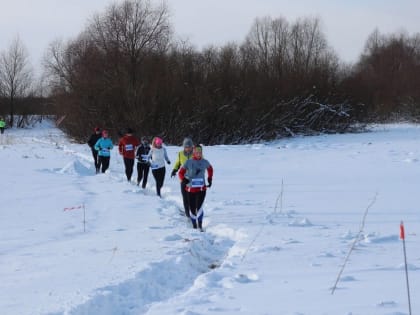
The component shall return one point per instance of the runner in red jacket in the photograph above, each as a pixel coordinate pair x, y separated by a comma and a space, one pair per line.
127, 148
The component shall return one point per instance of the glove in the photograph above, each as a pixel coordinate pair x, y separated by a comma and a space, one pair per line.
210, 180
173, 173
185, 181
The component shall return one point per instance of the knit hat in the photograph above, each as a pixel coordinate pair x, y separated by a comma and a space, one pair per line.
187, 143
158, 141
97, 129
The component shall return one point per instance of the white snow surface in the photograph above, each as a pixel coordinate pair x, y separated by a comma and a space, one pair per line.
279, 222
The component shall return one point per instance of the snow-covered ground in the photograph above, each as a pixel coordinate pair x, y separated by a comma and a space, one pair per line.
280, 220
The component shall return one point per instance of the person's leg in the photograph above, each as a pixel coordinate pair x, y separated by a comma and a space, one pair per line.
105, 163
185, 200
155, 173
131, 167
139, 173
95, 159
200, 212
160, 179
146, 169
129, 164
193, 208
100, 162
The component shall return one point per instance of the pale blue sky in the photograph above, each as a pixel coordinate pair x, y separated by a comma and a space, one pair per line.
347, 23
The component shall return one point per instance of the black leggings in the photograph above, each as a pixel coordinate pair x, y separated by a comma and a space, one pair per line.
185, 199
129, 165
196, 201
142, 173
104, 162
159, 175
95, 158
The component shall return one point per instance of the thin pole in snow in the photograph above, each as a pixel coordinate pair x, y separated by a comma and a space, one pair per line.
362, 226
280, 197
402, 236
84, 218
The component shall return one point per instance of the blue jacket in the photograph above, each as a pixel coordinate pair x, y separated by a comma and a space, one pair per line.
104, 146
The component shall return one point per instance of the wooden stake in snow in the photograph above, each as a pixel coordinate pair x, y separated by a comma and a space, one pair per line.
402, 236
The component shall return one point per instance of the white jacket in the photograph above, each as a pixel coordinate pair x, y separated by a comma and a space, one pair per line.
157, 158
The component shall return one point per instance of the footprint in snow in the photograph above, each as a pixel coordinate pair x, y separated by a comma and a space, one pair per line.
409, 267
387, 304
347, 279
326, 255
171, 238
301, 223
290, 241
243, 278
160, 227
410, 160
374, 238
270, 249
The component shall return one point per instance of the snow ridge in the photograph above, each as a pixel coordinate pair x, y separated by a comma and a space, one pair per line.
160, 281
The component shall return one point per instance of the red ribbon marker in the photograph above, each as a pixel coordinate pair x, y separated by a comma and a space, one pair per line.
72, 208
84, 213
402, 232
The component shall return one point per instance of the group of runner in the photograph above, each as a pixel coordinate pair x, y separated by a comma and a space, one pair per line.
190, 166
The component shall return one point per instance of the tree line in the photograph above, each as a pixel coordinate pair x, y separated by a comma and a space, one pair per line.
128, 69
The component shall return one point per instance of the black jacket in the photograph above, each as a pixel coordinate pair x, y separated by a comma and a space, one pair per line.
93, 139
142, 150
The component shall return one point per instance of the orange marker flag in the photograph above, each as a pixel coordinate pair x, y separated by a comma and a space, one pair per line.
402, 232
402, 236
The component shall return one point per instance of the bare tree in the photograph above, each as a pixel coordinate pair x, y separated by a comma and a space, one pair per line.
308, 44
130, 31
15, 74
111, 72
58, 65
267, 43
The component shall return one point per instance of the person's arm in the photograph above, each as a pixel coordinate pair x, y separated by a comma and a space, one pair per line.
149, 155
121, 147
166, 156
138, 155
210, 175
97, 145
177, 164
181, 175
91, 142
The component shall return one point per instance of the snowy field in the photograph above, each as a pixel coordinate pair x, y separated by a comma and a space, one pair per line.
280, 220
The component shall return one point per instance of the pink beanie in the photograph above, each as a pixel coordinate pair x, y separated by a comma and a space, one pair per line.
158, 141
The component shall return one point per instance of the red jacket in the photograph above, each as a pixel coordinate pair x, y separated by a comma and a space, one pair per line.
127, 146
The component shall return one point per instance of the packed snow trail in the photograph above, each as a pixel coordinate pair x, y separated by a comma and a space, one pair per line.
252, 259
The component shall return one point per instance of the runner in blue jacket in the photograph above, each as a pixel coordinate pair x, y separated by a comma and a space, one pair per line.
104, 146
